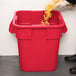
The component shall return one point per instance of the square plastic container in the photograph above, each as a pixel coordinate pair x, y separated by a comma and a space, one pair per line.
38, 45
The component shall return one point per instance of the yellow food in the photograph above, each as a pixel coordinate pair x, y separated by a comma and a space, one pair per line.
48, 10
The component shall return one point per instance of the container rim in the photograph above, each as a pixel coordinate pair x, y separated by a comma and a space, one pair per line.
37, 25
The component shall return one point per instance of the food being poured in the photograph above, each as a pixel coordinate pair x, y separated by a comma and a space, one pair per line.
48, 9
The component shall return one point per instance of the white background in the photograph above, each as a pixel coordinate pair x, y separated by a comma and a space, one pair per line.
8, 42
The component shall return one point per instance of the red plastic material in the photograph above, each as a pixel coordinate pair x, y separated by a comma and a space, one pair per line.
38, 45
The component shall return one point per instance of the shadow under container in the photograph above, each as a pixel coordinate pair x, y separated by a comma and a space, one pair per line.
38, 45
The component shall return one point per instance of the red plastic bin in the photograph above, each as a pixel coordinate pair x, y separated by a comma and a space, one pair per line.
38, 45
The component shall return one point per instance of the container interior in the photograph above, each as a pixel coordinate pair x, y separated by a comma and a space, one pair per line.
35, 17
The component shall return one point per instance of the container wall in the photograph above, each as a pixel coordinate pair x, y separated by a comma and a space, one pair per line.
38, 53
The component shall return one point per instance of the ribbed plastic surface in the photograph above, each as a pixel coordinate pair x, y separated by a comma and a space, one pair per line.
38, 45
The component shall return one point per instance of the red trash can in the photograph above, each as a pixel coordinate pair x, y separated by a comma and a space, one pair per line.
38, 45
